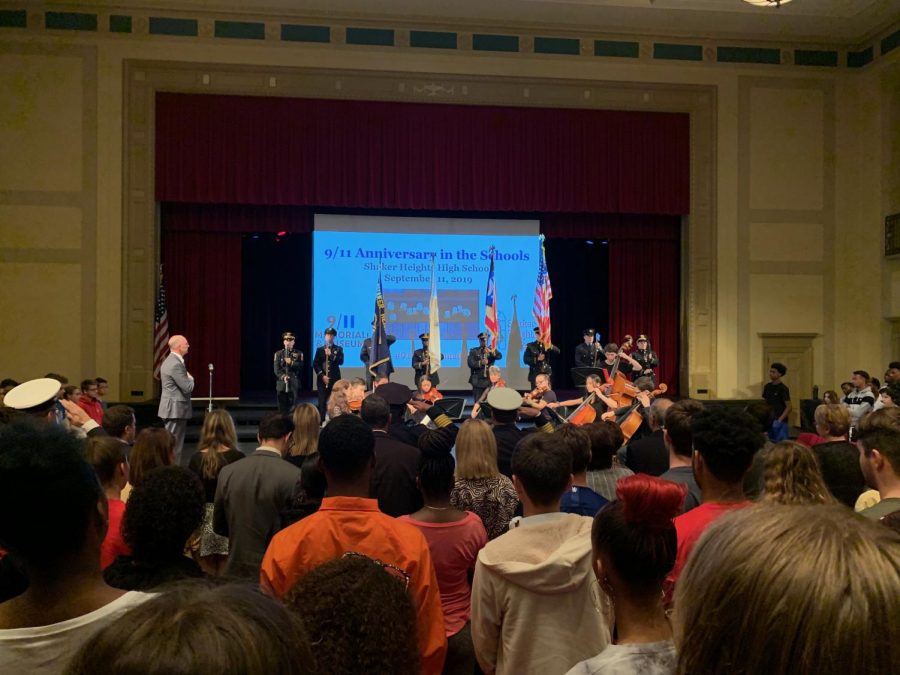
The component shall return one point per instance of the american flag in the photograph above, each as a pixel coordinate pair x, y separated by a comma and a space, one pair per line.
543, 293
160, 328
490, 306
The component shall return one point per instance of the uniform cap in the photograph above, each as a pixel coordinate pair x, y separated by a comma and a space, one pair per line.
34, 395
287, 335
504, 398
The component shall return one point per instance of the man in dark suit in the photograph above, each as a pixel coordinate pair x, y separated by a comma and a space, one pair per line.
649, 454
253, 495
177, 385
537, 357
327, 366
288, 363
364, 356
505, 404
479, 360
396, 463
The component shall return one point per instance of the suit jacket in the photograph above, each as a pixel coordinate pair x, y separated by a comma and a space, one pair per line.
175, 401
292, 370
334, 363
394, 480
648, 454
367, 346
252, 497
507, 436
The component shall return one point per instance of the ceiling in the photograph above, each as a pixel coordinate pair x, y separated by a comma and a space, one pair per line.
829, 22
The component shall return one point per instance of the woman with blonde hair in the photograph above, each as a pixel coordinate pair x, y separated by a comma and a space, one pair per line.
838, 458
218, 447
791, 476
305, 440
810, 589
338, 403
480, 487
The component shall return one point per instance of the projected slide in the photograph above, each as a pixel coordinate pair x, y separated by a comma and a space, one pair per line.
349, 251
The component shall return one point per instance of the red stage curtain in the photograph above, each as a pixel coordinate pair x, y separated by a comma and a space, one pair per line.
375, 155
202, 273
235, 218
611, 226
644, 297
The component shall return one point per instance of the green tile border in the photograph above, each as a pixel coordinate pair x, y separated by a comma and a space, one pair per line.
373, 37
431, 39
860, 58
295, 32
767, 55
629, 50
13, 18
557, 45
677, 52
162, 25
119, 24
816, 57
241, 30
490, 42
70, 21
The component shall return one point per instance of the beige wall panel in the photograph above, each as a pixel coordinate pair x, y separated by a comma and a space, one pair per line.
41, 319
786, 148
40, 227
787, 242
40, 122
785, 303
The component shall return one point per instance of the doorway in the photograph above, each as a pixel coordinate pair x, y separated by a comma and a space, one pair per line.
795, 351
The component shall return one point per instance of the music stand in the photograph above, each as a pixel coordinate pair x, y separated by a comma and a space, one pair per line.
579, 375
453, 407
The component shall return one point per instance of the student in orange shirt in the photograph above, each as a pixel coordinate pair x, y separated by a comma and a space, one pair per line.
348, 520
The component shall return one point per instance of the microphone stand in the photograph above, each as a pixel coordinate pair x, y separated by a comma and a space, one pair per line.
210, 408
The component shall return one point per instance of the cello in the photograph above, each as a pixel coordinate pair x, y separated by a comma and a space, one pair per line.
631, 420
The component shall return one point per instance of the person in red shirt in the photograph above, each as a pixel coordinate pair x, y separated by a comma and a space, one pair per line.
725, 441
348, 520
107, 456
90, 400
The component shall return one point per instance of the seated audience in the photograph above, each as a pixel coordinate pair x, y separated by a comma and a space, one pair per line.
791, 476
860, 400
838, 458
763, 415
480, 487
454, 537
89, 402
634, 545
218, 448
253, 495
348, 520
56, 535
394, 479
107, 456
309, 492
879, 458
305, 440
164, 511
725, 441
359, 617
201, 627
531, 600
73, 393
810, 589
119, 422
604, 470
579, 498
102, 390
680, 444
648, 454
153, 448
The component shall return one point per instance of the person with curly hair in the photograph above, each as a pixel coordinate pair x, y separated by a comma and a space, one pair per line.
359, 617
725, 441
201, 627
165, 509
791, 476
634, 546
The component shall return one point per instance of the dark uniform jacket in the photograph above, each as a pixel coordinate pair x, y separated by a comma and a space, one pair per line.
292, 370
334, 364
394, 479
584, 356
419, 364
535, 367
507, 436
648, 360
478, 377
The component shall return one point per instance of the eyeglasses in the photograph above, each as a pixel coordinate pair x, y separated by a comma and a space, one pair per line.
393, 570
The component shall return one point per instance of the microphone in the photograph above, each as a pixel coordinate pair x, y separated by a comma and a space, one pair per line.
211, 367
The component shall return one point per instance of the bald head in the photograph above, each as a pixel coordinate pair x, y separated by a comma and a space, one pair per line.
658, 412
179, 344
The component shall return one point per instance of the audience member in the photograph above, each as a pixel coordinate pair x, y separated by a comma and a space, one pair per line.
337, 402
778, 396
153, 448
56, 532
892, 374
397, 396
791, 476
761, 412
309, 492
680, 445
119, 422
838, 458
454, 537
860, 400
531, 602
102, 390
394, 479
218, 448
480, 487
604, 470
252, 496
201, 627
634, 545
37, 399
830, 397
504, 404
579, 498
889, 397
359, 616
7, 385
810, 589
89, 401
164, 511
72, 393
648, 454
348, 520
107, 456
879, 459
725, 441
305, 441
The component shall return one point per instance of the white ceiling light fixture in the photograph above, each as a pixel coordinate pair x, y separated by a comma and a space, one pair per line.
767, 3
